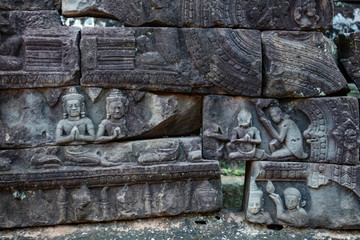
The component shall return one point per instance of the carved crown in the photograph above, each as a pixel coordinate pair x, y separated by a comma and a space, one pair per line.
72, 94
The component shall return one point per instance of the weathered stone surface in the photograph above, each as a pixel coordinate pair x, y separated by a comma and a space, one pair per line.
319, 130
349, 54
41, 58
124, 192
300, 64
30, 117
90, 183
304, 194
346, 18
273, 14
31, 5
140, 152
172, 59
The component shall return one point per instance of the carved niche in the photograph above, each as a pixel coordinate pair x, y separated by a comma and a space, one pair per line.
171, 59
319, 130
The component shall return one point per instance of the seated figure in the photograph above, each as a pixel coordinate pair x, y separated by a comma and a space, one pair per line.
113, 127
74, 128
244, 138
287, 141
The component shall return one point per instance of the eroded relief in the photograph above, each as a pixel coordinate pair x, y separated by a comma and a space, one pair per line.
38, 57
295, 213
114, 126
270, 14
244, 139
255, 209
298, 194
309, 56
171, 59
268, 129
287, 140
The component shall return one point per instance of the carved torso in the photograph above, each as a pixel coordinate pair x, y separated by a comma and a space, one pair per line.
82, 124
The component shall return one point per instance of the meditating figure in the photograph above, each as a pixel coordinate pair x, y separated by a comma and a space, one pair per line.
74, 128
114, 126
244, 138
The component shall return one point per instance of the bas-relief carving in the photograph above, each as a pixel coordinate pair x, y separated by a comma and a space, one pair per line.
244, 139
255, 209
33, 122
298, 194
168, 59
295, 213
272, 14
302, 130
309, 56
114, 126
92, 204
39, 54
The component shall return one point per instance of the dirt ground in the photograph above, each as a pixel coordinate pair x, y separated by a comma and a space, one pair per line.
223, 225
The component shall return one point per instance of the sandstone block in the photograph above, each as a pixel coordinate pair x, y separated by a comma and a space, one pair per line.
274, 14
40, 58
37, 117
318, 130
299, 65
172, 59
304, 195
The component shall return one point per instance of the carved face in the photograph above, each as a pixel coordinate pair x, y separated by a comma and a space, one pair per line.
275, 114
244, 119
255, 203
291, 201
73, 108
117, 109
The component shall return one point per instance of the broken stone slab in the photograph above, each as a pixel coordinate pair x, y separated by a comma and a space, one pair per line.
71, 195
30, 5
298, 194
349, 55
300, 65
274, 14
318, 130
66, 116
40, 58
141, 152
171, 59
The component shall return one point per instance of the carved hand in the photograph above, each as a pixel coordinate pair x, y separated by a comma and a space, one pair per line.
74, 133
117, 132
276, 198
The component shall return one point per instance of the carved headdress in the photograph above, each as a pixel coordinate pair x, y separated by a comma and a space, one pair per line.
116, 96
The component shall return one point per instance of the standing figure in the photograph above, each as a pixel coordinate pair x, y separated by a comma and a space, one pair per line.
113, 127
74, 128
295, 213
244, 138
287, 141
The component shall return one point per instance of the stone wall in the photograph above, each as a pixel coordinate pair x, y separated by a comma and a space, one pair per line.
111, 123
